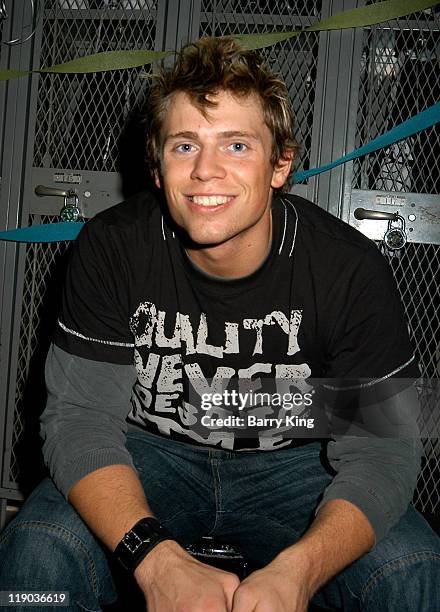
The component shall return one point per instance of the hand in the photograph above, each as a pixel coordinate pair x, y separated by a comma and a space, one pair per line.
172, 581
278, 587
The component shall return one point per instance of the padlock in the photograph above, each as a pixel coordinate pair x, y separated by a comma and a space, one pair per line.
70, 210
395, 236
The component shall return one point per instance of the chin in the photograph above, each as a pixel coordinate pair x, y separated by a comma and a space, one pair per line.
207, 239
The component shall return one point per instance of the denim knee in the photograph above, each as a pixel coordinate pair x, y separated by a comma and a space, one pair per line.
42, 552
399, 573
406, 584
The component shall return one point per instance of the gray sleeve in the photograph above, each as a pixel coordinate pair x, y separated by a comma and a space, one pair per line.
84, 423
379, 474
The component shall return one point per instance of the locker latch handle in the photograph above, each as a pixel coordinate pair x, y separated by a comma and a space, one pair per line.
42, 190
376, 215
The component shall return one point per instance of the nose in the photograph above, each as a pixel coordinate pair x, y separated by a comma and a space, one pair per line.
208, 165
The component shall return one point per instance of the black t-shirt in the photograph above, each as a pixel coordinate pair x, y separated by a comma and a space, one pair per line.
323, 305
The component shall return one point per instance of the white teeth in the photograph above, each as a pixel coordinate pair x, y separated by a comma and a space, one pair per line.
213, 200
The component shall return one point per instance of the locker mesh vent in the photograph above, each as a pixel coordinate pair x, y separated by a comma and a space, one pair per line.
398, 79
416, 269
42, 260
296, 59
80, 116
263, 7
429, 14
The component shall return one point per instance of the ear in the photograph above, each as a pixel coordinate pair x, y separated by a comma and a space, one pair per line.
157, 180
282, 168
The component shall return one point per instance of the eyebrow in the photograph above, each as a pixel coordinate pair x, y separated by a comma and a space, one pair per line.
225, 134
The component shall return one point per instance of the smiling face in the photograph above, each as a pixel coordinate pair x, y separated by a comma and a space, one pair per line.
218, 180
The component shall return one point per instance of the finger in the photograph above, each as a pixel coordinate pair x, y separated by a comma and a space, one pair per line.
243, 603
230, 592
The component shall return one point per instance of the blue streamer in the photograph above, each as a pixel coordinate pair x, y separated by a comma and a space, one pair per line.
48, 232
68, 230
419, 122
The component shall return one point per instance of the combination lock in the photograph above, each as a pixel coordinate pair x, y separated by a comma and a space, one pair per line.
70, 210
395, 236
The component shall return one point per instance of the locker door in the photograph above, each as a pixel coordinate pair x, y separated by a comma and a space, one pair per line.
398, 77
18, 39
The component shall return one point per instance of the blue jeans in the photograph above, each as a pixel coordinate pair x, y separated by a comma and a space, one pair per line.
260, 502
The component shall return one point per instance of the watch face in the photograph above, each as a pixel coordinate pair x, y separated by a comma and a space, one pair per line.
138, 542
132, 541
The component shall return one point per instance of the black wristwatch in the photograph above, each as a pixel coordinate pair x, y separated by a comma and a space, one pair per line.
137, 543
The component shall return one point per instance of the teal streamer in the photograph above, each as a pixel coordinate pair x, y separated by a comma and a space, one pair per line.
419, 122
48, 232
68, 230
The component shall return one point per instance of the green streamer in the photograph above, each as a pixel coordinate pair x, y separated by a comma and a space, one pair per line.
110, 60
120, 60
259, 41
371, 14
6, 75
359, 17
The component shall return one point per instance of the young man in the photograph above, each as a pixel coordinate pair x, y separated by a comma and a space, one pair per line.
179, 312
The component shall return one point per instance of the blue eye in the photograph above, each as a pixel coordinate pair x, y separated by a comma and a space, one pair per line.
238, 147
184, 148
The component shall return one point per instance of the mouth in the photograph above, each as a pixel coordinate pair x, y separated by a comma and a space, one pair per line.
210, 200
